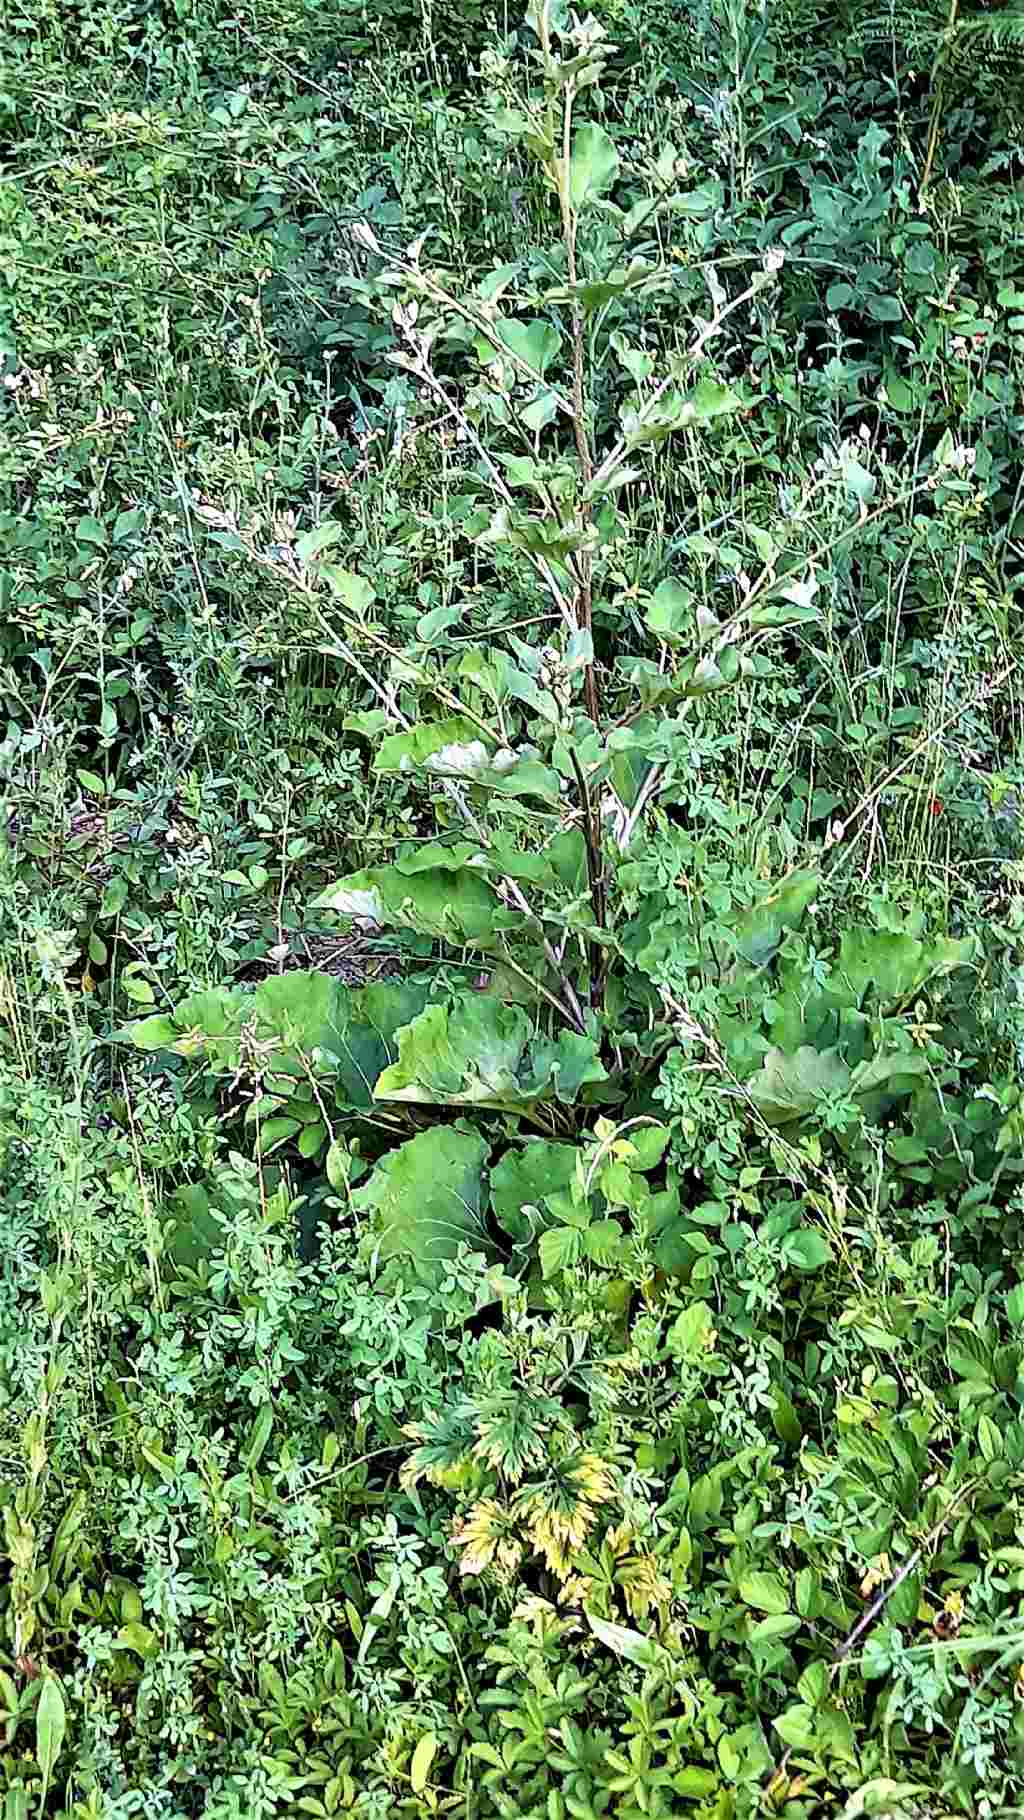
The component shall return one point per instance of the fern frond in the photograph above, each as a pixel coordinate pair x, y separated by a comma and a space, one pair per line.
916, 28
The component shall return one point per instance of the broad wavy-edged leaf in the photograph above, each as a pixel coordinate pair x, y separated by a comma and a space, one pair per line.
787, 1087
558, 1067
758, 932
348, 1032
453, 748
204, 1023
876, 968
435, 857
523, 1178
363, 1037
477, 1051
454, 904
463, 1054
290, 1024
891, 1076
297, 1008
896, 963
427, 1198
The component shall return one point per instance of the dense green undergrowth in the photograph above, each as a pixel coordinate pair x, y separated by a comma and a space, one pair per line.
511, 1009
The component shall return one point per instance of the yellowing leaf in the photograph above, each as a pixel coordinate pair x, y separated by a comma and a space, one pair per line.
422, 1758
630, 1644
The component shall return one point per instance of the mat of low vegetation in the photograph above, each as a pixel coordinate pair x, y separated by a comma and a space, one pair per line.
511, 975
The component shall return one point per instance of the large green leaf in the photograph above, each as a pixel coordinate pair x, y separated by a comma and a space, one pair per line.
204, 1023
361, 1039
896, 963
478, 1051
453, 748
468, 1053
875, 968
557, 1068
454, 904
524, 1178
535, 343
299, 1009
426, 1198
891, 1076
787, 1087
290, 1024
347, 1032
758, 932
593, 164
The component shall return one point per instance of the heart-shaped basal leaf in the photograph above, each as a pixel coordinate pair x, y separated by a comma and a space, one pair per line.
523, 1179
455, 905
427, 1198
362, 1038
787, 1087
477, 1051
294, 1024
875, 968
206, 1023
897, 963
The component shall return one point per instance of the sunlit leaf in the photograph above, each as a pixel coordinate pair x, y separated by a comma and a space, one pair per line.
453, 748
631, 1645
455, 904
479, 1051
